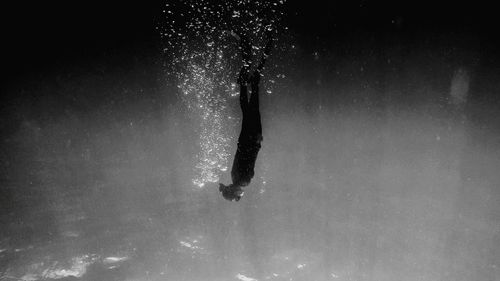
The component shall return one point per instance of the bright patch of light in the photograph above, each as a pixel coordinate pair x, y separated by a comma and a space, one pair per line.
78, 267
244, 278
190, 243
271, 276
110, 260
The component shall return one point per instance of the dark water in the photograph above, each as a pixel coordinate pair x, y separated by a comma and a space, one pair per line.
368, 171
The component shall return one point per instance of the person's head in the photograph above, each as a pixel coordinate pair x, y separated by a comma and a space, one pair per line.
231, 192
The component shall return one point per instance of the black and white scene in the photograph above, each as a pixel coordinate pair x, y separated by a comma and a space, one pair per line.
250, 140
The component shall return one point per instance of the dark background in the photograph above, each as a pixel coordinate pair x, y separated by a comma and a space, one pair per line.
40, 35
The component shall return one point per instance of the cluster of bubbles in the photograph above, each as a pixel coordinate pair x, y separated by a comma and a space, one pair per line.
199, 93
203, 58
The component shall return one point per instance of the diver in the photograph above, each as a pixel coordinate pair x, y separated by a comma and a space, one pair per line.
249, 141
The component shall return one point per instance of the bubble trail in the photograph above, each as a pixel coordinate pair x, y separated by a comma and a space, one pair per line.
203, 58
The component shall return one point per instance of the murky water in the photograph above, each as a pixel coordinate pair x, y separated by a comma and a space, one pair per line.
357, 179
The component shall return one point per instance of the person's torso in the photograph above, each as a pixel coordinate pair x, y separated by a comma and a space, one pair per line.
244, 160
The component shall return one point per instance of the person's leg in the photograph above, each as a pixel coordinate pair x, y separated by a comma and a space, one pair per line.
254, 97
243, 77
246, 56
255, 78
246, 52
244, 99
254, 126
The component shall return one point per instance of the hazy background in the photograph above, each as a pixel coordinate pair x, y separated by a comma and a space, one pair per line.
379, 161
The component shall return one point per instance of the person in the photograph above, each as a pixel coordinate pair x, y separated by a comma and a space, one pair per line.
249, 141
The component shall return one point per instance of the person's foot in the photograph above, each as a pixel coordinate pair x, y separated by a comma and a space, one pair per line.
231, 192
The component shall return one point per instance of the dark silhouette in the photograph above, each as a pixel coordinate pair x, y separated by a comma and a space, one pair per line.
250, 137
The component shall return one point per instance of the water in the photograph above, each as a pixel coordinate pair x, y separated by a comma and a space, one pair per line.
356, 179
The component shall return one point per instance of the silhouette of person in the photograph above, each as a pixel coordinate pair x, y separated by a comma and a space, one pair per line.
249, 141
